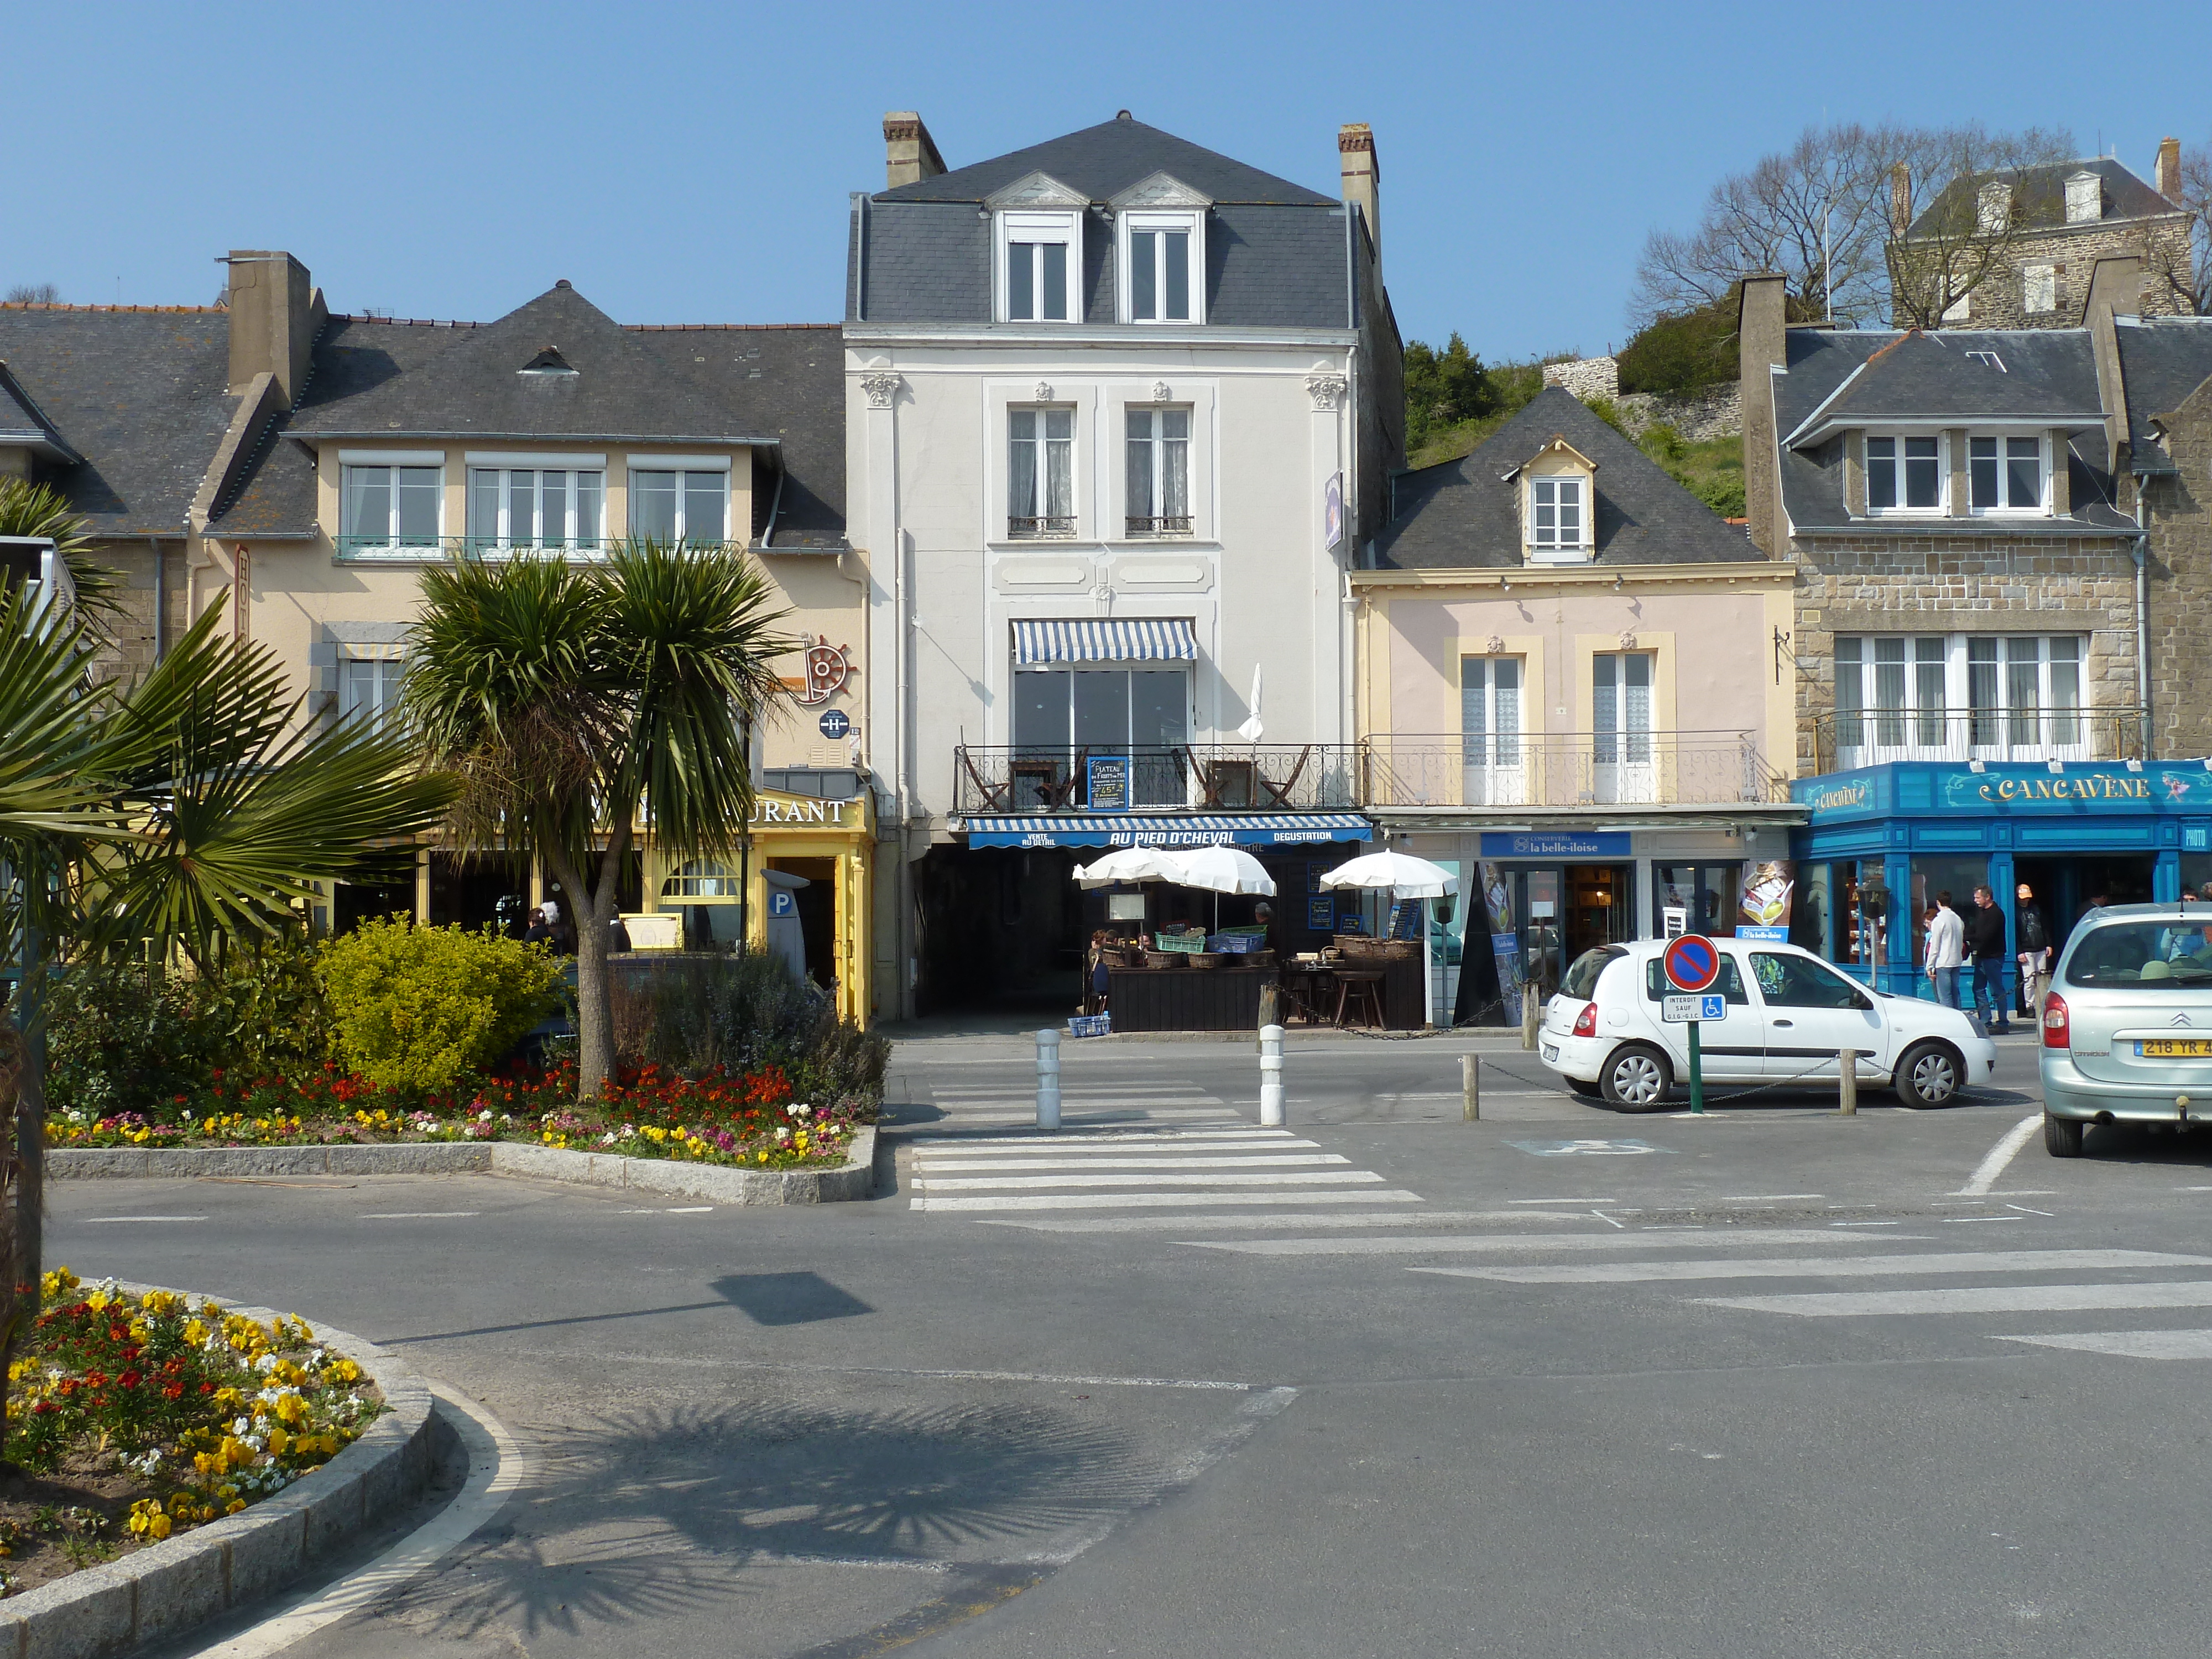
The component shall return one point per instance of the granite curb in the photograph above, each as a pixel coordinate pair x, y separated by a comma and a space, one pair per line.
855, 1179
167, 1588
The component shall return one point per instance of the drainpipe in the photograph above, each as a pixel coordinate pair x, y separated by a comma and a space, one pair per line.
160, 601
2142, 550
774, 505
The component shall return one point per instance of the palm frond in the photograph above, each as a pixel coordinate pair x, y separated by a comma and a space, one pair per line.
59, 761
31, 509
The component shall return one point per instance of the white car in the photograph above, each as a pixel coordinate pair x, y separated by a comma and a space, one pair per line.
1786, 1017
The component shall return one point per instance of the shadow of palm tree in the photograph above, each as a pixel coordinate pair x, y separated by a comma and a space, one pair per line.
644, 1512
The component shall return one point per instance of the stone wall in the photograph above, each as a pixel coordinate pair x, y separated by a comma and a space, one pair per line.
2179, 517
1586, 377
1861, 583
1715, 412
1999, 300
130, 632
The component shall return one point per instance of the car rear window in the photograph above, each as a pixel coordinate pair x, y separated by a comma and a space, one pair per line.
2155, 955
1581, 982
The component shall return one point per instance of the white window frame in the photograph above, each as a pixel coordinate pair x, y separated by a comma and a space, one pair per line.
1555, 550
1955, 697
1158, 444
355, 541
1035, 229
576, 537
386, 672
1040, 477
1494, 759
2038, 282
1188, 222
2006, 506
683, 469
1942, 504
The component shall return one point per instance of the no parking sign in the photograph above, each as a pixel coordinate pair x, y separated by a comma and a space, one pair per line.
1693, 962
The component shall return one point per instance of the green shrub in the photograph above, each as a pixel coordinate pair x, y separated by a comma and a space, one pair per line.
266, 1007
1683, 352
418, 1008
125, 1037
742, 1012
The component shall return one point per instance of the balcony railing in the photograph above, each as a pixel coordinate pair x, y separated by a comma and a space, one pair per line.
1041, 527
1566, 770
1847, 737
1192, 777
1176, 523
421, 548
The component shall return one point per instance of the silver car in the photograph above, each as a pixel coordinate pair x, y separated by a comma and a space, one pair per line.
2127, 1025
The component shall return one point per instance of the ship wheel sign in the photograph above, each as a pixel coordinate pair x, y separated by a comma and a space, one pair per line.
828, 668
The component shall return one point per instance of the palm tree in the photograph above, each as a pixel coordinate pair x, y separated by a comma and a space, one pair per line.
577, 703
193, 808
40, 510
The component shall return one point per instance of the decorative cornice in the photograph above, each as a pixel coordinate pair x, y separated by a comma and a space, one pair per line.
1328, 391
881, 388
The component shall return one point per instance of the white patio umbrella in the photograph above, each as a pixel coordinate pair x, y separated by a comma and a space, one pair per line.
1407, 876
1127, 864
1222, 870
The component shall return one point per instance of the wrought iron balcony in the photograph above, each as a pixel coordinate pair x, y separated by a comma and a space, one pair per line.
1189, 777
1847, 737
1041, 528
1566, 770
1176, 523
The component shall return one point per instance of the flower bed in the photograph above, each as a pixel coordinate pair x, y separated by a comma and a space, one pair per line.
745, 1120
130, 1418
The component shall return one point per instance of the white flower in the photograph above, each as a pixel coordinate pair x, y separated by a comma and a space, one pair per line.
484, 1116
242, 1426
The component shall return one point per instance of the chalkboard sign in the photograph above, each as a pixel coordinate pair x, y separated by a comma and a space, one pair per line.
1109, 783
1405, 918
1321, 914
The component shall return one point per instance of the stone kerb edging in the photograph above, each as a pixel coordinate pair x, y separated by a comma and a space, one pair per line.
168, 1588
722, 1184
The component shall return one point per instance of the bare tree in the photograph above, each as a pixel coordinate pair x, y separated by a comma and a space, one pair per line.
34, 293
1978, 212
2193, 286
1820, 213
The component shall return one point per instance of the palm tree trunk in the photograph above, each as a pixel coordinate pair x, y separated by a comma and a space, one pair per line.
593, 916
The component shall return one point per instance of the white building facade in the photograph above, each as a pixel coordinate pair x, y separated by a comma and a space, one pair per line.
1120, 411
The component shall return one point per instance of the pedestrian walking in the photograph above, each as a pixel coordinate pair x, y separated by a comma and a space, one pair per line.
540, 931
1985, 943
1946, 935
2032, 949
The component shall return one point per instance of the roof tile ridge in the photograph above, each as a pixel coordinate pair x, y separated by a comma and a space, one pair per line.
696, 328
400, 322
157, 311
1874, 358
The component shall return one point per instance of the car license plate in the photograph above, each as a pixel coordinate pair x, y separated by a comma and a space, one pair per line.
1549, 1053
2174, 1049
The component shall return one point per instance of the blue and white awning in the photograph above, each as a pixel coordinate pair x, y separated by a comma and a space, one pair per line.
1132, 830
1135, 639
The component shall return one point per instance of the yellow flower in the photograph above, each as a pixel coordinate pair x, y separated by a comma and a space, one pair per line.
234, 1506
279, 1443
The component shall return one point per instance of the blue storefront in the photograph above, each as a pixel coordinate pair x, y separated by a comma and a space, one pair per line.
1880, 842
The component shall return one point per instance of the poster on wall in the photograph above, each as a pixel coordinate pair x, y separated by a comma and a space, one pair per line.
1764, 913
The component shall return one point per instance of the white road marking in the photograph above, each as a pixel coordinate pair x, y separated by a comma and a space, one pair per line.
1968, 1220
2010, 1298
2134, 1344
497, 1468
711, 1363
1158, 1200
93, 1219
1563, 1201
1987, 1171
1134, 1224
1295, 1160
657, 1209
2025, 1210
1767, 1198
1287, 1178
1832, 1267
1029, 1146
415, 1215
1866, 1224
1608, 1220
1498, 1242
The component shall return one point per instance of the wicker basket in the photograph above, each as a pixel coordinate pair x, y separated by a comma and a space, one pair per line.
1359, 949
1208, 959
1164, 959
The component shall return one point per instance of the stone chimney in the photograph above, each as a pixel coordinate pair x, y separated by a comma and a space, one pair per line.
2167, 175
275, 312
1900, 199
1762, 346
1362, 177
910, 153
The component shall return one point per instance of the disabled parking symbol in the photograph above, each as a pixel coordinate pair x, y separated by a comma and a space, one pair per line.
1587, 1148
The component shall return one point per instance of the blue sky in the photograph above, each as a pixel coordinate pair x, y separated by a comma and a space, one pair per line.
692, 162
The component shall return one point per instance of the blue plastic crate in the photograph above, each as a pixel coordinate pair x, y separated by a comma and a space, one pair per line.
1083, 1025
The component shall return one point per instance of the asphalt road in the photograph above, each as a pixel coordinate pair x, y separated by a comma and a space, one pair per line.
1563, 1382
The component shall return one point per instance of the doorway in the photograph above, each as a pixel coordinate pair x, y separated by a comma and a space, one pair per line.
1598, 907
817, 904
2067, 887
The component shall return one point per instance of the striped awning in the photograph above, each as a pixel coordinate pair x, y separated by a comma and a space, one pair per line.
1195, 829
1135, 639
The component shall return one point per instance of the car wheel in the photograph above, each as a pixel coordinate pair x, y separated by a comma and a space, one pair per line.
1930, 1075
2062, 1136
1637, 1076
1586, 1091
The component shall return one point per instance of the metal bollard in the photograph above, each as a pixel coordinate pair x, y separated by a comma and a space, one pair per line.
1271, 1076
1047, 1115
1532, 1015
1848, 1071
1470, 1084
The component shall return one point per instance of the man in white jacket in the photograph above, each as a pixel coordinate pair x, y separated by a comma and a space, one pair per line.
1946, 949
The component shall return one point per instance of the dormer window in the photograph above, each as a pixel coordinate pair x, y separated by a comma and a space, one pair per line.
1905, 474
1162, 255
1039, 250
1558, 490
2006, 473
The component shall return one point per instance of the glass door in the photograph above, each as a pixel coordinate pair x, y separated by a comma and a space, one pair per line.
1540, 930
1621, 769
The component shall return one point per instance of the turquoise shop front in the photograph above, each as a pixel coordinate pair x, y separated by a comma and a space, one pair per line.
1879, 844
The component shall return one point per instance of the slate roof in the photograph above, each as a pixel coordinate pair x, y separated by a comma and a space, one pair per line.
372, 378
2162, 360
23, 422
1866, 376
1465, 513
2041, 193
137, 393
1275, 250
1102, 161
